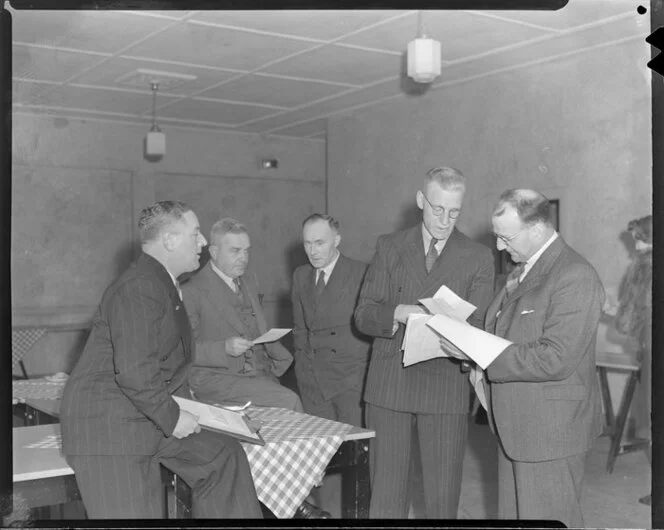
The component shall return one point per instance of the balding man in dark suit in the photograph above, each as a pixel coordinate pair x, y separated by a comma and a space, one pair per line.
430, 398
119, 419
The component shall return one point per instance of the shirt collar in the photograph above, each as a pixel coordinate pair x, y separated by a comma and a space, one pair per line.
426, 236
328, 268
225, 277
533, 259
175, 280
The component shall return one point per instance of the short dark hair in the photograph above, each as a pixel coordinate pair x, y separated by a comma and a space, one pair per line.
226, 225
531, 206
641, 229
156, 217
334, 224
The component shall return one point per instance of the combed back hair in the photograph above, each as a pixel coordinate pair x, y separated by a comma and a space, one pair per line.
641, 229
447, 178
155, 218
225, 226
531, 206
331, 221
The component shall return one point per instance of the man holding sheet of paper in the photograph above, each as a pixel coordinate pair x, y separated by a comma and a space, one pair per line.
543, 399
426, 403
226, 317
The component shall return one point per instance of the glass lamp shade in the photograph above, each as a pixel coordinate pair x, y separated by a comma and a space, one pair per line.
423, 59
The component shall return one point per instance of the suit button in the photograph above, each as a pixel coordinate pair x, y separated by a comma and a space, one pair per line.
333, 333
164, 358
334, 351
168, 381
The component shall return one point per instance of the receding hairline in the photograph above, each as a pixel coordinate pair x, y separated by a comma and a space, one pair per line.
531, 206
226, 225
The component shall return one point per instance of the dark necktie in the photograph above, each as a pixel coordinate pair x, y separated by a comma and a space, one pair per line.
236, 285
513, 279
432, 255
320, 284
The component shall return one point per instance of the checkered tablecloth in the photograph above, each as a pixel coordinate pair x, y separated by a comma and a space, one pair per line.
297, 449
36, 389
23, 340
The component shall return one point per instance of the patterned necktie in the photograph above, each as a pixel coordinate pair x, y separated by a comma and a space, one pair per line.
513, 279
320, 284
432, 255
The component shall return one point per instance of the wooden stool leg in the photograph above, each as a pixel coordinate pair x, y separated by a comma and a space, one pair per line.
609, 417
623, 412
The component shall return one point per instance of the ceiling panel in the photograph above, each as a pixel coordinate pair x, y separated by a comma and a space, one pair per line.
48, 64
100, 99
213, 111
110, 71
461, 34
320, 25
27, 91
575, 13
340, 64
210, 46
316, 127
84, 29
273, 90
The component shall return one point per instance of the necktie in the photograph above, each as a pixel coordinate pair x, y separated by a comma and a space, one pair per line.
320, 284
513, 279
432, 255
236, 285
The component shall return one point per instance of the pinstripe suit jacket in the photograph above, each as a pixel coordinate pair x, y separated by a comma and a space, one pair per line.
543, 388
329, 351
397, 275
117, 400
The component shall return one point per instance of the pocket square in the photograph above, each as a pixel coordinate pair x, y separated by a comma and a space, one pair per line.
527, 311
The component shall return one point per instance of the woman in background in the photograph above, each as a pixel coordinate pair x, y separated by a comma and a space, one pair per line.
634, 318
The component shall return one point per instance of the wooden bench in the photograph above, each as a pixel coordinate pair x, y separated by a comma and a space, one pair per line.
615, 425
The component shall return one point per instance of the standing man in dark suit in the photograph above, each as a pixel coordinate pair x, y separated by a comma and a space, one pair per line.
331, 356
226, 315
430, 398
119, 419
542, 390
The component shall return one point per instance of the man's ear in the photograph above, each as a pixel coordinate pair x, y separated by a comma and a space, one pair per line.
419, 199
169, 240
337, 240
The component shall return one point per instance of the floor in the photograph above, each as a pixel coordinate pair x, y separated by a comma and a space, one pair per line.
609, 500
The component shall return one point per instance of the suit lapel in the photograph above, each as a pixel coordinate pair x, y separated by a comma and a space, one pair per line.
435, 278
255, 305
219, 295
336, 284
412, 255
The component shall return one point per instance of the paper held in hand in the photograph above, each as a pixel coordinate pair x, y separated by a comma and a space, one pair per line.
272, 335
480, 346
219, 419
420, 342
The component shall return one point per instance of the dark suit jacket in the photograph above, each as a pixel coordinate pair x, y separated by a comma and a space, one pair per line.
329, 351
543, 390
214, 319
397, 275
117, 400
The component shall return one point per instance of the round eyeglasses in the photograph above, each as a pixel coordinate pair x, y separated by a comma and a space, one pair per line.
438, 211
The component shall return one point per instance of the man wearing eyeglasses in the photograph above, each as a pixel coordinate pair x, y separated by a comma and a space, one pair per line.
426, 403
542, 389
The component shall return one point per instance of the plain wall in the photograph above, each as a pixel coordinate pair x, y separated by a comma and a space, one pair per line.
78, 188
578, 129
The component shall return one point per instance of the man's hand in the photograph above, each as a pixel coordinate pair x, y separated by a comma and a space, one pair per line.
236, 346
187, 424
451, 350
402, 311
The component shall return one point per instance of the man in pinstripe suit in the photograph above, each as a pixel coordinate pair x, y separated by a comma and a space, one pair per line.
429, 399
119, 420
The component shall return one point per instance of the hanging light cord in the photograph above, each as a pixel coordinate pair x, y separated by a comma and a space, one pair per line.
155, 127
420, 25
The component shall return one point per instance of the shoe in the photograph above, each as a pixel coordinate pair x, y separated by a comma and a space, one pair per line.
647, 500
311, 511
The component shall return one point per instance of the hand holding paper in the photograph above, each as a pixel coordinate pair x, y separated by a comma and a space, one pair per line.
271, 335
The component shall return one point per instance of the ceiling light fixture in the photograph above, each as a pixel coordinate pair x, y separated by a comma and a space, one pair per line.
423, 56
155, 141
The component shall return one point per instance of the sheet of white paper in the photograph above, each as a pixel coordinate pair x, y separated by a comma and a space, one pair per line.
272, 335
420, 343
447, 302
480, 346
215, 417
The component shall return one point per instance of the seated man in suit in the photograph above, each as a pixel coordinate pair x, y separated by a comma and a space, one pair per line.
226, 315
119, 419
